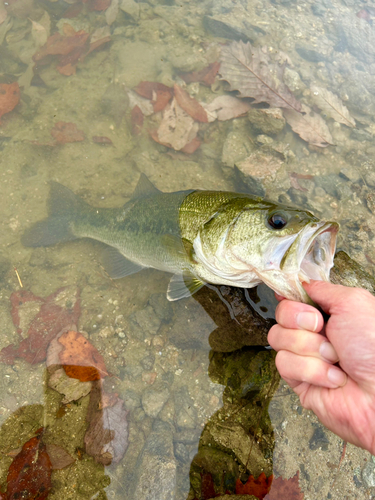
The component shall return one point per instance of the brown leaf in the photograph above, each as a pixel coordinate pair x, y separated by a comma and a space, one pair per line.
102, 139
59, 457
9, 97
294, 177
192, 146
176, 129
158, 93
249, 70
80, 359
285, 489
29, 475
226, 107
137, 120
332, 106
64, 132
206, 75
310, 126
190, 105
106, 438
62, 45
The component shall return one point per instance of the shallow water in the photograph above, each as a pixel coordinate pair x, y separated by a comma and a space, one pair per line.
179, 394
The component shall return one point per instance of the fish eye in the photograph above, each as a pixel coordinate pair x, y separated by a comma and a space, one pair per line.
277, 221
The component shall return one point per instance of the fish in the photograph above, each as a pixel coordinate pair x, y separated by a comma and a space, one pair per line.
200, 237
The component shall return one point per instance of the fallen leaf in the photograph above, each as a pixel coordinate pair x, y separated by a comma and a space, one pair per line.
189, 104
332, 106
294, 177
59, 457
192, 146
207, 487
73, 11
177, 128
106, 438
158, 93
9, 97
40, 30
145, 105
257, 487
249, 70
137, 120
101, 139
64, 132
111, 12
71, 389
310, 126
226, 107
99, 4
206, 75
38, 321
62, 45
80, 359
29, 475
285, 489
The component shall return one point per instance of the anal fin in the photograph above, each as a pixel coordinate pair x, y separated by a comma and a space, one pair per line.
182, 286
118, 266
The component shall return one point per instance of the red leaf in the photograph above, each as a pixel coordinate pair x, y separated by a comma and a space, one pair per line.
29, 475
285, 489
62, 45
147, 89
41, 323
80, 359
207, 487
206, 75
257, 487
190, 105
137, 120
64, 132
9, 97
99, 4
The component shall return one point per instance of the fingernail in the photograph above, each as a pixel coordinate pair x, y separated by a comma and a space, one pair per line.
307, 321
327, 351
336, 376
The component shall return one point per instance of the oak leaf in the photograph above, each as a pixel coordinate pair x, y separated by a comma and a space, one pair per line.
310, 126
80, 359
332, 106
249, 70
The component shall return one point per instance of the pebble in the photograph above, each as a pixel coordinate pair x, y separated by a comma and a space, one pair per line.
368, 474
153, 400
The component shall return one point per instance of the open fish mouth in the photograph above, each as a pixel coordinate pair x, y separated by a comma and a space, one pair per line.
311, 254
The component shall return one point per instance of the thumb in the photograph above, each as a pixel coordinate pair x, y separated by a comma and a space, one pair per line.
327, 295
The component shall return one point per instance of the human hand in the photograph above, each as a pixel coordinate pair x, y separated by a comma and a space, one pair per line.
342, 397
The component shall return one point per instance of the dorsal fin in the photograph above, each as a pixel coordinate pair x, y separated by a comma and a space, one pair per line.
144, 188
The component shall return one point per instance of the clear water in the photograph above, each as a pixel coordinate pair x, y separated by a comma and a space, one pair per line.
178, 394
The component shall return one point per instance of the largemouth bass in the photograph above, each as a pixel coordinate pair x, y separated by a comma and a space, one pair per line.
200, 237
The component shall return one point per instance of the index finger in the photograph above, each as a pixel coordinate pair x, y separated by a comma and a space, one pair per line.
296, 315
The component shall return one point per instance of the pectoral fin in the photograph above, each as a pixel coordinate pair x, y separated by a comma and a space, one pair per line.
118, 266
182, 286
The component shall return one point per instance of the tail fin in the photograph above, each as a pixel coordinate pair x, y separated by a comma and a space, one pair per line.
63, 207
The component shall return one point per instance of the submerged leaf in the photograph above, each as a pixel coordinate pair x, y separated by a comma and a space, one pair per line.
29, 475
258, 487
332, 106
190, 105
285, 489
177, 128
249, 70
310, 126
106, 438
80, 359
9, 97
226, 107
64, 132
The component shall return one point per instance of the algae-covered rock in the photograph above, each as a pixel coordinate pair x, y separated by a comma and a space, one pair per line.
269, 121
348, 272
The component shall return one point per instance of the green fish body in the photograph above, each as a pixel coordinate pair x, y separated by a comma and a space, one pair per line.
199, 236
